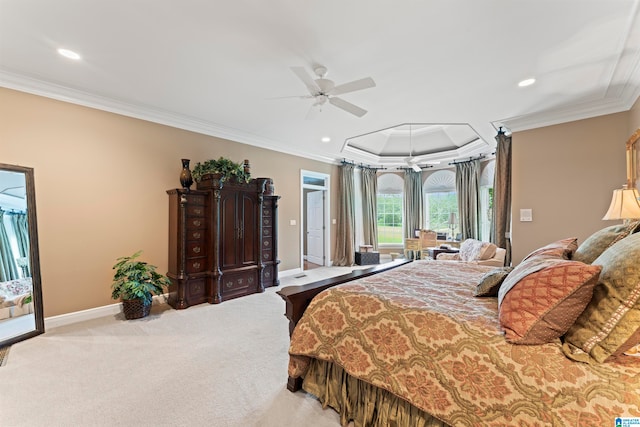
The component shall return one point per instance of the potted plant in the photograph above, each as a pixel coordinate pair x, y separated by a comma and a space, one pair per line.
135, 282
225, 168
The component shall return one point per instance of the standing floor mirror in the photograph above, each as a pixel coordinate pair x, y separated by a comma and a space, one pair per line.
21, 313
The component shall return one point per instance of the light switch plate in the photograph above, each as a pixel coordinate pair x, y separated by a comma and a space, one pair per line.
526, 215
292, 222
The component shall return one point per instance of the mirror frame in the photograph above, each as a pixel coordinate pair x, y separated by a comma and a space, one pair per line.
34, 255
633, 160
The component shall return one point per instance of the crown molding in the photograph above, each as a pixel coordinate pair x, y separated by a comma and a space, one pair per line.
568, 114
38, 87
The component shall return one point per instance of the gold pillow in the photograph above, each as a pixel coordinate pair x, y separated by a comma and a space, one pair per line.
602, 239
491, 281
610, 325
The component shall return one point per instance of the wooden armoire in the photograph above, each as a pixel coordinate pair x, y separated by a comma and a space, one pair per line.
223, 240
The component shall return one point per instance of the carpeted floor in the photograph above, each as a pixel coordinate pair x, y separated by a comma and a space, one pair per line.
209, 365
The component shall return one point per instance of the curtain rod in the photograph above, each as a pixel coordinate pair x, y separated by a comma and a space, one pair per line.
11, 211
361, 165
471, 159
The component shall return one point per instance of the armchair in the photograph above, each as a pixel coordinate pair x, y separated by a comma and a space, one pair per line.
477, 252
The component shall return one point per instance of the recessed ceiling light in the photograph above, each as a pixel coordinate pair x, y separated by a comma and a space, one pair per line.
526, 82
68, 54
325, 139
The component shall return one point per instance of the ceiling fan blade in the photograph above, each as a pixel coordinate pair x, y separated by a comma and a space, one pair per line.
353, 86
313, 112
306, 79
290, 97
347, 106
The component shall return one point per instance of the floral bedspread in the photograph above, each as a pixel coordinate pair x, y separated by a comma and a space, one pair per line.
418, 332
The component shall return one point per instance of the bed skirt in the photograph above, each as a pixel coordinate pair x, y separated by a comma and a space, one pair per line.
361, 402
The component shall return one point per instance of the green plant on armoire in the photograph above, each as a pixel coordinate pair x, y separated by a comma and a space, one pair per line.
226, 168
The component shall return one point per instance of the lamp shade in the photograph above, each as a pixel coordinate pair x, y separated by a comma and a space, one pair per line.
452, 218
625, 204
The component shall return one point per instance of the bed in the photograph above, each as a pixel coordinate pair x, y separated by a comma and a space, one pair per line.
15, 298
412, 344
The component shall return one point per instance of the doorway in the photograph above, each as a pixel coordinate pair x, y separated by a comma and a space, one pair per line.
315, 229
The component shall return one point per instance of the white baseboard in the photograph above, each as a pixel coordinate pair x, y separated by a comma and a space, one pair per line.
91, 313
113, 309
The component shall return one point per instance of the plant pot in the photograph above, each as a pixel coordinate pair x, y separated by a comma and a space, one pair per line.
135, 308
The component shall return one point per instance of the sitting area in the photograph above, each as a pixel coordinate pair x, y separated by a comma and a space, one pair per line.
477, 252
418, 247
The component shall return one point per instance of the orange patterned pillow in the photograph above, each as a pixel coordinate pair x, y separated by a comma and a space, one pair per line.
563, 248
540, 306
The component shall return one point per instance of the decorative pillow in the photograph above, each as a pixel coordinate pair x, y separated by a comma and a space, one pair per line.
610, 325
542, 306
448, 257
475, 250
491, 281
602, 239
560, 249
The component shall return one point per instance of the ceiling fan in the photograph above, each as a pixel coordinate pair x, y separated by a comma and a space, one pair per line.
322, 90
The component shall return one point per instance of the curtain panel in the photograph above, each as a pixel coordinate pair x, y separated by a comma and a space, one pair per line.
370, 207
344, 255
413, 202
502, 195
468, 189
21, 229
8, 268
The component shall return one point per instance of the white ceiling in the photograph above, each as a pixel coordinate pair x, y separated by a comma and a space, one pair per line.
223, 67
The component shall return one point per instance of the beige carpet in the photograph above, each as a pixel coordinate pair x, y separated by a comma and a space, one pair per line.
209, 365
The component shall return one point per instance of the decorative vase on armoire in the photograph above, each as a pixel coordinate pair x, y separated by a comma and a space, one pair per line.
185, 176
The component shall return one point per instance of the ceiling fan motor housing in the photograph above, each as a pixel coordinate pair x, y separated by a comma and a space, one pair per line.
325, 85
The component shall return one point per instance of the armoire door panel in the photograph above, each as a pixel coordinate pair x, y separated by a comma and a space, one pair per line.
249, 229
229, 231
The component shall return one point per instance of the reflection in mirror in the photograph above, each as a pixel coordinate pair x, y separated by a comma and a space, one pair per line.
21, 314
633, 160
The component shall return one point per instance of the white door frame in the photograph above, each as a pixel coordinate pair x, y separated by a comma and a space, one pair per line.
327, 228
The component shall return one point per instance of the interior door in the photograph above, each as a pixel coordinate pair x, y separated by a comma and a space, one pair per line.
315, 227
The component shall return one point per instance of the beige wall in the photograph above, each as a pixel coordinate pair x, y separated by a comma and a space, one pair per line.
566, 173
101, 182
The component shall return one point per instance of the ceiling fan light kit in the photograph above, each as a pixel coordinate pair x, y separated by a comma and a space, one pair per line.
323, 90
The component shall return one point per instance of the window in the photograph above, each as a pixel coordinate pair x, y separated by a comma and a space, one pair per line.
389, 204
486, 199
441, 202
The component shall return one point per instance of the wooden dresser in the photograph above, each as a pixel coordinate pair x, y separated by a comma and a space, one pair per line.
223, 240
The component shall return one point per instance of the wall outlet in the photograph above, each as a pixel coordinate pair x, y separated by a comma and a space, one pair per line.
292, 222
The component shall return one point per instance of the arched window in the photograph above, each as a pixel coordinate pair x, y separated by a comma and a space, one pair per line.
441, 202
486, 199
389, 200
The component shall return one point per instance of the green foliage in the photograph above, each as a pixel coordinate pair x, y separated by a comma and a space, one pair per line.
225, 167
389, 211
136, 279
441, 205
